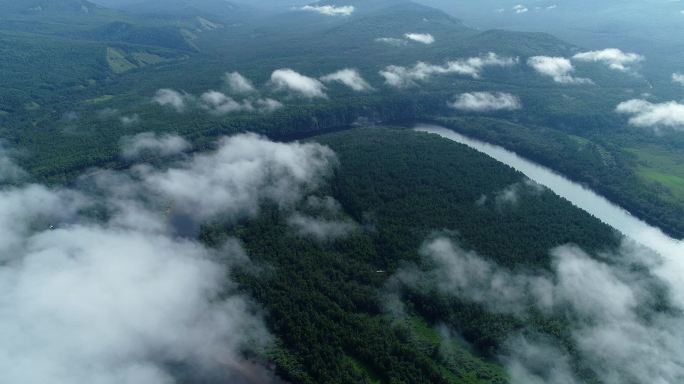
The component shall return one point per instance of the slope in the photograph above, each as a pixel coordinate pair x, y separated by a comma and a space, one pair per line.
327, 301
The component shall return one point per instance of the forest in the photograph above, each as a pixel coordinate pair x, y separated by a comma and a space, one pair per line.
327, 301
64, 113
353, 280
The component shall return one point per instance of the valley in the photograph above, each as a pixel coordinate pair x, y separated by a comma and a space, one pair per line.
376, 191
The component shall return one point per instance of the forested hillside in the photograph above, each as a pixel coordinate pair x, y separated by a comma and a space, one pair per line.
330, 301
210, 191
67, 70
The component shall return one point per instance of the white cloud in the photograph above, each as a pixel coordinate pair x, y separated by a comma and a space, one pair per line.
424, 38
130, 120
323, 220
678, 78
267, 105
215, 102
321, 229
520, 9
171, 98
330, 10
512, 194
110, 304
558, 68
612, 57
107, 113
537, 361
9, 170
610, 312
391, 41
245, 171
71, 116
238, 84
647, 114
288, 80
20, 209
349, 77
402, 77
149, 142
324, 205
120, 300
486, 102
219, 104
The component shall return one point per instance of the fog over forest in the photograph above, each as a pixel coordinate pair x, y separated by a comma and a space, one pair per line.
341, 191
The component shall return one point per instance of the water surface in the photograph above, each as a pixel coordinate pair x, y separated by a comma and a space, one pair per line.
672, 250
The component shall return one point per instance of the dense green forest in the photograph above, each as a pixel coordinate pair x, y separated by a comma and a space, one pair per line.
602, 164
69, 77
77, 79
326, 301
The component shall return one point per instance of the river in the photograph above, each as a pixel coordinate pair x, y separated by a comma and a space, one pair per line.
670, 268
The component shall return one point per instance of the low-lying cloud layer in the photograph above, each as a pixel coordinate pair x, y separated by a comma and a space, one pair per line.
559, 69
653, 115
401, 77
282, 80
151, 143
520, 9
323, 220
349, 77
291, 81
486, 102
238, 84
512, 194
612, 57
423, 38
321, 229
392, 41
171, 98
163, 97
218, 103
9, 170
123, 298
611, 311
678, 78
130, 120
245, 171
330, 10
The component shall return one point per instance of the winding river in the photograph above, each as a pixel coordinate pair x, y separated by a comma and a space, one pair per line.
670, 268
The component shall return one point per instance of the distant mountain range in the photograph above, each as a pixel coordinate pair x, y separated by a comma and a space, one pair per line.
49, 6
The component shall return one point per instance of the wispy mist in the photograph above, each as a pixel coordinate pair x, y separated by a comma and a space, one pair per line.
559, 69
97, 286
402, 77
611, 308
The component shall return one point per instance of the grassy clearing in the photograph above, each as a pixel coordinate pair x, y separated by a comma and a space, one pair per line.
672, 182
99, 99
662, 167
457, 363
579, 139
118, 62
146, 58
